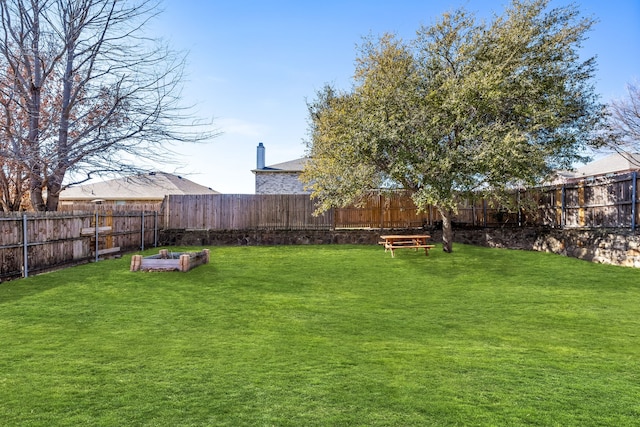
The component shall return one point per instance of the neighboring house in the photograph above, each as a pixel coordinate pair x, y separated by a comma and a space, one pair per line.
281, 178
143, 188
613, 164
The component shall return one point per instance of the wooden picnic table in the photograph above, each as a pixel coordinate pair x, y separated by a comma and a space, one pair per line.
411, 241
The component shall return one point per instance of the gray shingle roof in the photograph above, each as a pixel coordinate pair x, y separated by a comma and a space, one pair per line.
614, 163
296, 165
153, 186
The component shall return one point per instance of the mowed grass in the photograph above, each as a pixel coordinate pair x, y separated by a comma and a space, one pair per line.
325, 336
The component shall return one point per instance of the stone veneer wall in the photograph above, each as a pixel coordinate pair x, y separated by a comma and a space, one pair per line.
619, 247
266, 237
279, 183
607, 246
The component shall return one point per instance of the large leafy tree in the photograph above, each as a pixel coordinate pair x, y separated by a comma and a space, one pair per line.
465, 107
84, 90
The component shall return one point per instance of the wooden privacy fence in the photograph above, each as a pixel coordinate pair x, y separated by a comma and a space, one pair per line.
243, 212
604, 202
36, 242
295, 212
397, 210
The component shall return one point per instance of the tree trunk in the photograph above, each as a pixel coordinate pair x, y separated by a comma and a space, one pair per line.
447, 230
53, 193
35, 191
37, 201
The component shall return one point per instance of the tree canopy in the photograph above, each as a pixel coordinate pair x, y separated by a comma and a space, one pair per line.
466, 107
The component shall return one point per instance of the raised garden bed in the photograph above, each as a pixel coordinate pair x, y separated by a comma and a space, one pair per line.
170, 261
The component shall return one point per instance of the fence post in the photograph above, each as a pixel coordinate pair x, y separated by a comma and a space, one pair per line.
97, 234
142, 232
155, 229
381, 210
563, 219
484, 212
25, 252
634, 199
518, 203
473, 212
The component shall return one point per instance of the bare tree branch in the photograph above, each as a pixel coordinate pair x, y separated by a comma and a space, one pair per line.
85, 92
625, 116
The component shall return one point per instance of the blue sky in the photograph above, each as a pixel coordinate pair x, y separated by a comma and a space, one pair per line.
252, 65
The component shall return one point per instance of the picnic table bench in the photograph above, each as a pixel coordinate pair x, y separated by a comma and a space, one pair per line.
402, 241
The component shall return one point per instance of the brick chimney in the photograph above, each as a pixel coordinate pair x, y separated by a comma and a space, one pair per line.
260, 156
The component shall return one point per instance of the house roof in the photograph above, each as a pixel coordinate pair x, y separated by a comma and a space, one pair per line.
152, 186
296, 165
614, 163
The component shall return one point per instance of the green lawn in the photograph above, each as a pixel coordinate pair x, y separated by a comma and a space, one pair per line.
325, 335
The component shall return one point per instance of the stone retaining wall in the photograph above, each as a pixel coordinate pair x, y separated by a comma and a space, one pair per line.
266, 237
619, 247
